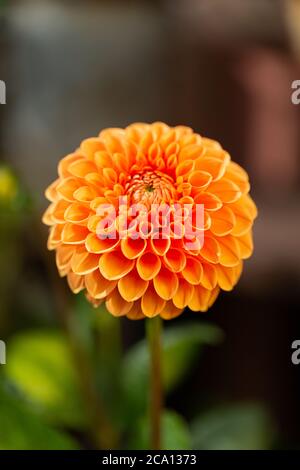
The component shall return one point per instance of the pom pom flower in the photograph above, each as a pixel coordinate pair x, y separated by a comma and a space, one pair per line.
124, 220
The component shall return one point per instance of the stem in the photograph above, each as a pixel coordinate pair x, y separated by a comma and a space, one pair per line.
154, 328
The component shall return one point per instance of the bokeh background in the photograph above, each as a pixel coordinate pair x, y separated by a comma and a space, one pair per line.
74, 376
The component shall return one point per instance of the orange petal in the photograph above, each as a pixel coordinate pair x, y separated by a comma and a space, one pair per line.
182, 131
236, 174
90, 146
76, 283
83, 262
225, 190
165, 283
103, 160
245, 244
97, 286
210, 145
94, 244
228, 277
193, 270
82, 167
63, 257
183, 294
116, 305
135, 313
200, 179
51, 191
214, 166
213, 296
172, 162
200, 299
160, 246
121, 162
237, 169
222, 221
112, 140
63, 166
74, 234
67, 188
114, 265
170, 311
210, 201
172, 149
47, 216
110, 177
167, 138
58, 211
185, 168
210, 250
209, 279
243, 217
131, 286
188, 139
133, 248
96, 180
190, 152
158, 129
175, 260
77, 213
146, 141
85, 194
230, 253
152, 304
55, 236
249, 203
148, 265
95, 303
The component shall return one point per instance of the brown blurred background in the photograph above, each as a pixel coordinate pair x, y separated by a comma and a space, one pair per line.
223, 67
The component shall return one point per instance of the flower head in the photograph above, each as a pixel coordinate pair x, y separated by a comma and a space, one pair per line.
125, 226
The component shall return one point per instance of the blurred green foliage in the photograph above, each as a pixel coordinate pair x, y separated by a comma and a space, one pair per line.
13, 197
22, 429
15, 208
40, 365
176, 434
181, 347
237, 427
42, 370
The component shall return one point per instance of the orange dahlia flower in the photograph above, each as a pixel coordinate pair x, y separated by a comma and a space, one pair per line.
155, 165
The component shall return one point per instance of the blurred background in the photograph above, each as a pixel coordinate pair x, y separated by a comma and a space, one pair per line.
225, 68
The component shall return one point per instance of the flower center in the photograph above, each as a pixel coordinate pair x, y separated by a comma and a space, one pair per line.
150, 187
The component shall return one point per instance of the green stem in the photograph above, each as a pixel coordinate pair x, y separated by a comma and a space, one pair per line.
154, 329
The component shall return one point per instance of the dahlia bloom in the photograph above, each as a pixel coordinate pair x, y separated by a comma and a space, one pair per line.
130, 267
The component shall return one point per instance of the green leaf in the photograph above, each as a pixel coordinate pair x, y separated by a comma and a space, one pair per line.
237, 427
82, 322
39, 363
181, 346
22, 430
175, 433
